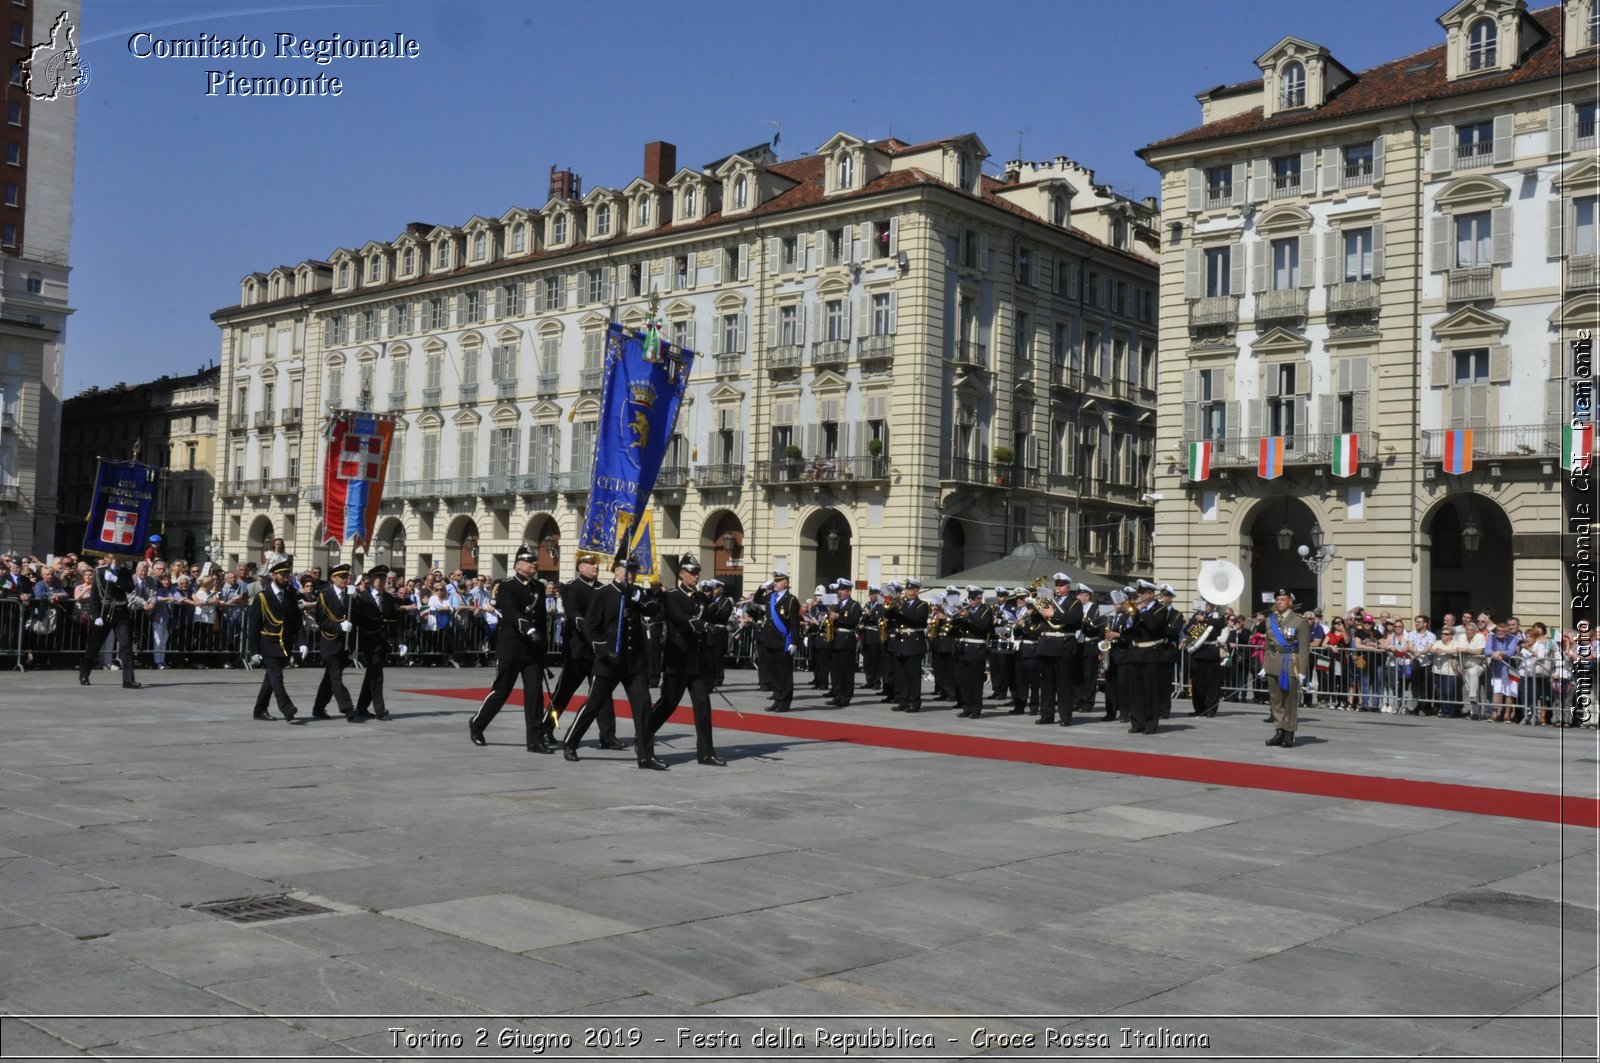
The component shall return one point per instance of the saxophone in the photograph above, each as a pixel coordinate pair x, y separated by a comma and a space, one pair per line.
938, 620
829, 623
883, 619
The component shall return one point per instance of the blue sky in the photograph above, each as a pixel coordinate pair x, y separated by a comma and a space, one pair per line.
179, 194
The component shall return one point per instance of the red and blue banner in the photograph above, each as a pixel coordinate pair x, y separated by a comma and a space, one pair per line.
1270, 464
1458, 451
352, 484
640, 396
119, 514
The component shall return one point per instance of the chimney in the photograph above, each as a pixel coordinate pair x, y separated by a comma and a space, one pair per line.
660, 161
563, 184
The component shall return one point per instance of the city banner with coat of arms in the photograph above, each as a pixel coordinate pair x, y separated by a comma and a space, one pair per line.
640, 396
119, 515
352, 484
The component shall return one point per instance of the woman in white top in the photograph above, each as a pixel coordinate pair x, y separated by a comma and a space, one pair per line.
1397, 667
1540, 655
1447, 671
1470, 657
203, 625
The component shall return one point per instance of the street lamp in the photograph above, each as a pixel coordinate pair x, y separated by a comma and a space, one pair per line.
832, 540
1471, 537
1318, 558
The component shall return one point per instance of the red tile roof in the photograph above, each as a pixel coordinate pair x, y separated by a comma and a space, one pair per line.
1414, 78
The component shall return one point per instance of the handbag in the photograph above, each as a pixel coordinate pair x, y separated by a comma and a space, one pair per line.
45, 623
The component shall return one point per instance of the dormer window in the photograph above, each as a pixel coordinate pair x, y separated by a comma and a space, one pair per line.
441, 255
1292, 86
374, 269
410, 261
602, 220
741, 192
558, 229
1481, 41
691, 201
480, 246
344, 274
1058, 209
644, 212
846, 171
519, 238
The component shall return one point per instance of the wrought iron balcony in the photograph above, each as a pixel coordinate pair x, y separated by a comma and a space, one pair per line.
547, 384
968, 471
1353, 296
467, 394
10, 493
506, 388
730, 364
718, 476
1281, 304
289, 416
672, 478
830, 352
542, 483
262, 419
1526, 442
786, 357
589, 379
823, 470
286, 485
1583, 272
971, 352
431, 397
1066, 376
875, 348
313, 494
1470, 282
1214, 310
397, 400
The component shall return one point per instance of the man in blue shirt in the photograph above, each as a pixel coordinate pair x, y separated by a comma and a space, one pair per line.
1501, 647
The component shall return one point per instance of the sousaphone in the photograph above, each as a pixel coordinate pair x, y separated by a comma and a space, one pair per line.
1220, 582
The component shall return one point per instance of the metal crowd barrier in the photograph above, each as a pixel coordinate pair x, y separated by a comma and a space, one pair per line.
46, 635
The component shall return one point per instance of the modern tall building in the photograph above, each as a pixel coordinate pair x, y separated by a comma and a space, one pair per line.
905, 367
38, 139
1399, 254
170, 423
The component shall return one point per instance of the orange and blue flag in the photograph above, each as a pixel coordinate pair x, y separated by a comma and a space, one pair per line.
1458, 451
1270, 465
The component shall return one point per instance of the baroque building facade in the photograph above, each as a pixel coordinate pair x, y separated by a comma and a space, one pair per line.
905, 367
1399, 253
170, 423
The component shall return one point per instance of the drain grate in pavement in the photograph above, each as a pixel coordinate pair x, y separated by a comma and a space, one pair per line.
261, 909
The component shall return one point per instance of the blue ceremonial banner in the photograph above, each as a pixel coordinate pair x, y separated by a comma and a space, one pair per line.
640, 396
119, 517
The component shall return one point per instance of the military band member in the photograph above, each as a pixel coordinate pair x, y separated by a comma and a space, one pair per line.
614, 626
1166, 596
719, 622
1118, 701
821, 651
871, 644
1287, 662
780, 635
1205, 660
376, 615
577, 655
971, 627
1146, 660
757, 612
908, 643
332, 615
689, 659
886, 671
1058, 633
1025, 633
271, 627
846, 630
1002, 658
110, 593
1086, 665
520, 641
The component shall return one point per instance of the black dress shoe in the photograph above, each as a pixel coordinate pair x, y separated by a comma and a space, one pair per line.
1109, 717
770, 708
135, 685
1045, 719
541, 747
568, 753
320, 715
1135, 730
712, 761
780, 708
384, 715
83, 680
1016, 712
263, 716
652, 764
613, 743
1288, 740
476, 735
1151, 731
914, 708
899, 708
1276, 739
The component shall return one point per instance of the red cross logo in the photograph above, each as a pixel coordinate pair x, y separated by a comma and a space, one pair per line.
361, 457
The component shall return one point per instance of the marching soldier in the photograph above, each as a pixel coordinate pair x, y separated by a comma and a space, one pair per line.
109, 594
1086, 665
689, 660
719, 622
332, 613
520, 641
614, 626
846, 628
780, 635
271, 627
908, 642
1208, 633
578, 655
971, 627
376, 616
1118, 702
1287, 662
871, 644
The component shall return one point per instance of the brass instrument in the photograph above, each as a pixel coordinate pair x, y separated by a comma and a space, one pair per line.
829, 622
1195, 635
1033, 600
938, 621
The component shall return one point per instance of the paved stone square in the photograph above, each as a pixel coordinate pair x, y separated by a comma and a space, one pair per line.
908, 887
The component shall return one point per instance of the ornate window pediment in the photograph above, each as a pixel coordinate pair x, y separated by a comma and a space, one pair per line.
1471, 323
1280, 341
1476, 191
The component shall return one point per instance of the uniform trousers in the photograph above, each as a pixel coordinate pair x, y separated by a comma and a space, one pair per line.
372, 680
780, 673
821, 663
968, 669
1002, 673
1055, 682
842, 681
505, 681
635, 685
673, 685
872, 661
573, 672
1285, 703
1085, 677
332, 686
1205, 677
97, 638
1144, 710
1025, 691
908, 681
272, 687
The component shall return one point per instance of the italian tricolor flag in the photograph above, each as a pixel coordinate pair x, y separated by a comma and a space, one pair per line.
1577, 446
1199, 461
1346, 452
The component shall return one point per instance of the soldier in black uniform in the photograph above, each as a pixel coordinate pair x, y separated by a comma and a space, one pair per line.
821, 649
1146, 660
908, 643
970, 628
690, 659
578, 662
1002, 651
1086, 667
1025, 690
886, 664
871, 645
1056, 653
779, 635
376, 615
1205, 667
846, 628
943, 646
520, 641
108, 604
332, 614
719, 622
756, 610
271, 627
614, 626
1116, 673
1174, 639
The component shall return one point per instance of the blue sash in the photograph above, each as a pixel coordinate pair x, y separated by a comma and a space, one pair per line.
1285, 649
777, 621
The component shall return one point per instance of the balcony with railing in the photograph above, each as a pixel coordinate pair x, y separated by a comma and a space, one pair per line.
1214, 310
1474, 156
289, 416
1467, 283
397, 400
547, 384
431, 397
868, 468
262, 419
589, 378
1303, 448
577, 481
729, 364
237, 422
830, 353
1583, 272
971, 353
1357, 175
1219, 197
1281, 304
969, 471
1066, 376
785, 358
258, 487
718, 476
541, 483
313, 493
467, 394
505, 388
10, 494
672, 478
1526, 442
1285, 186
1353, 297
284, 485
8, 421
878, 348
468, 486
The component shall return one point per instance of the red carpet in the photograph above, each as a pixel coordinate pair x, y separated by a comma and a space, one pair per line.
1480, 800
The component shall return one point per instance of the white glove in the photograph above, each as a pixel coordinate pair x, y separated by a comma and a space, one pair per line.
1302, 679
345, 625
791, 649
255, 659
1261, 674
401, 650
303, 651
99, 621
